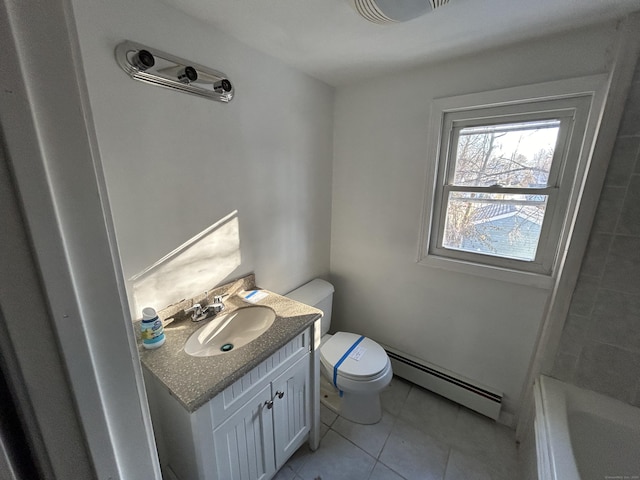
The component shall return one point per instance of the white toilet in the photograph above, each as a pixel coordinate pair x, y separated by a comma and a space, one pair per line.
357, 366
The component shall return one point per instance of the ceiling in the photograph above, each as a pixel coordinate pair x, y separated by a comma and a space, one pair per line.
328, 40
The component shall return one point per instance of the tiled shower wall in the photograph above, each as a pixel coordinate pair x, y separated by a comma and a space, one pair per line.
600, 343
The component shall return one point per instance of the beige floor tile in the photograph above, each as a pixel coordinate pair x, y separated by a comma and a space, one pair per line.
465, 467
337, 459
431, 438
370, 438
382, 472
431, 413
298, 459
285, 473
414, 454
327, 416
473, 433
394, 396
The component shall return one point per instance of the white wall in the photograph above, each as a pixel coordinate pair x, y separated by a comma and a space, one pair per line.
481, 328
176, 164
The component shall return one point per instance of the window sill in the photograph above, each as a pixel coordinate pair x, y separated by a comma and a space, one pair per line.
529, 279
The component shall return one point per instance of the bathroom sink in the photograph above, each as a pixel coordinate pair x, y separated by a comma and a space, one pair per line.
230, 331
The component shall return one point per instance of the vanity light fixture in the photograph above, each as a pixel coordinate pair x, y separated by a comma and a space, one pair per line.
165, 70
187, 75
143, 60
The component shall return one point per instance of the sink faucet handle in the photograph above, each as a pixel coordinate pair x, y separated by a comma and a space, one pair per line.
218, 305
195, 311
196, 307
219, 298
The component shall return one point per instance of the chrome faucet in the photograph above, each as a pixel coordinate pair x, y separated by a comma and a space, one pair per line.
218, 305
199, 313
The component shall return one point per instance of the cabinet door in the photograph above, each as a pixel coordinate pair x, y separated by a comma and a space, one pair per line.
244, 442
291, 409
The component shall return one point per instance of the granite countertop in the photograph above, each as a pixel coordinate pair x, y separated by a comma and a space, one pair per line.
193, 381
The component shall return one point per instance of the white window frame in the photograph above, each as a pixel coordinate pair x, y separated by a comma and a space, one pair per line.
573, 102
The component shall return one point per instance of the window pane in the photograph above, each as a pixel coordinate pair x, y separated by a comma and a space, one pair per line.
494, 224
509, 155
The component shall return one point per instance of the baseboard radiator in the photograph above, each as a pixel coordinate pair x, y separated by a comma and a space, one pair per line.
447, 384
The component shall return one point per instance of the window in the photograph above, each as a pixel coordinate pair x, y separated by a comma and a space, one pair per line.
504, 186
498, 188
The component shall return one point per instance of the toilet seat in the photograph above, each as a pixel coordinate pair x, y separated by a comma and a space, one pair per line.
367, 362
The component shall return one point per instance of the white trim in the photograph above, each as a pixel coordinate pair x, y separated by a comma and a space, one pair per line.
543, 451
52, 150
529, 279
568, 88
511, 100
40, 391
314, 381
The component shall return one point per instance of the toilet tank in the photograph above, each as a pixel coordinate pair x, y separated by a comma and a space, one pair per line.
317, 293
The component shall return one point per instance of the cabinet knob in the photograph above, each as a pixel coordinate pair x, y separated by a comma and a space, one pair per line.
280, 394
269, 404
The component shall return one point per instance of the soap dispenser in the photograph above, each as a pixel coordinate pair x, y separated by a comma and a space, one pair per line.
152, 330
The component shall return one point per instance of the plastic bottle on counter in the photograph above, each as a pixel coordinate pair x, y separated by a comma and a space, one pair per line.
152, 330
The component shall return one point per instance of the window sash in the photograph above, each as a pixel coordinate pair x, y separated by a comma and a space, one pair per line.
541, 262
499, 190
565, 117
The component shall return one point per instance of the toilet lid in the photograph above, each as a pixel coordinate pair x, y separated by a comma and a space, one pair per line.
366, 360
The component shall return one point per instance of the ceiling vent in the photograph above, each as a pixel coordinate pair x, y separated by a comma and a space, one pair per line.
394, 11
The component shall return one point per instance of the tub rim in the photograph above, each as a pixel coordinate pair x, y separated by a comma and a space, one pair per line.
555, 401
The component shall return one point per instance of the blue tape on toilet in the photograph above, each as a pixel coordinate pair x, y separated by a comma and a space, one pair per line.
339, 362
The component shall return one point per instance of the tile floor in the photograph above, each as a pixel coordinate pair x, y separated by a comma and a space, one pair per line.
421, 436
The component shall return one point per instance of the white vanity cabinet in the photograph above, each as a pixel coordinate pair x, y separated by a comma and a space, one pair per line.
291, 410
247, 431
244, 443
261, 436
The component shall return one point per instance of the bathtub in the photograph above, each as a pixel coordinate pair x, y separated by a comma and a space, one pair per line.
582, 435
